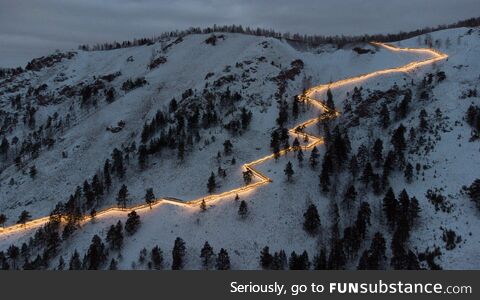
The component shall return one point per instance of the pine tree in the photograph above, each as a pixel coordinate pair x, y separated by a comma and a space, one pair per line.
314, 157
320, 261
33, 172
206, 255
113, 265
330, 104
106, 175
289, 171
423, 124
353, 167
75, 263
203, 205
243, 209
181, 150
367, 174
24, 217
377, 152
223, 260
149, 197
3, 219
311, 223
133, 223
350, 197
384, 116
211, 185
413, 211
266, 259
227, 147
296, 145
178, 254
122, 196
247, 176
96, 254
409, 173
115, 236
390, 207
156, 257
118, 167
97, 186
300, 157
327, 169
363, 219
398, 139
142, 156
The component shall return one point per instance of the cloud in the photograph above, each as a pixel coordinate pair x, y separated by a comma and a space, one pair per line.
30, 28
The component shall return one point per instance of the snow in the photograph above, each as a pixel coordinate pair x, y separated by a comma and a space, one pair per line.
275, 210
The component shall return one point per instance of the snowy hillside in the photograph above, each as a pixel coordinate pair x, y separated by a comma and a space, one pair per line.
62, 122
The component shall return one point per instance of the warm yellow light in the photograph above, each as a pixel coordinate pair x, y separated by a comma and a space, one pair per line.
263, 179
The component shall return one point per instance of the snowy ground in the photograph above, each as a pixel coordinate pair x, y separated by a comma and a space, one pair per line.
276, 209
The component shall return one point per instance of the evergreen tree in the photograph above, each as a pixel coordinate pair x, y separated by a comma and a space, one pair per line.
206, 255
156, 257
227, 147
398, 139
311, 223
223, 260
243, 209
363, 219
327, 169
320, 261
115, 236
142, 156
13, 253
377, 152
75, 263
24, 217
367, 174
247, 176
118, 166
178, 254
314, 157
384, 116
423, 120
97, 186
122, 197
96, 254
33, 172
409, 173
3, 219
413, 211
133, 223
203, 205
106, 174
295, 109
266, 259
300, 157
330, 104
289, 171
296, 145
350, 197
353, 167
211, 185
113, 265
390, 207
149, 197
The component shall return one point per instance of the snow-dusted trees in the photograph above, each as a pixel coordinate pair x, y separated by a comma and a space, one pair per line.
133, 223
207, 255
289, 171
178, 254
149, 197
211, 184
311, 223
115, 236
122, 196
223, 260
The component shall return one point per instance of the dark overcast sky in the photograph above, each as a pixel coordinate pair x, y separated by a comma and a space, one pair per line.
31, 28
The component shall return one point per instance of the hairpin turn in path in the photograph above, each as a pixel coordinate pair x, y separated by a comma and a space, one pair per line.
261, 178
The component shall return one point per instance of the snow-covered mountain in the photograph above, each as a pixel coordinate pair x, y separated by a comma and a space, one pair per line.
67, 113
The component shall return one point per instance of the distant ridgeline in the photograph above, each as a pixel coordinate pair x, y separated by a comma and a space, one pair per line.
311, 40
